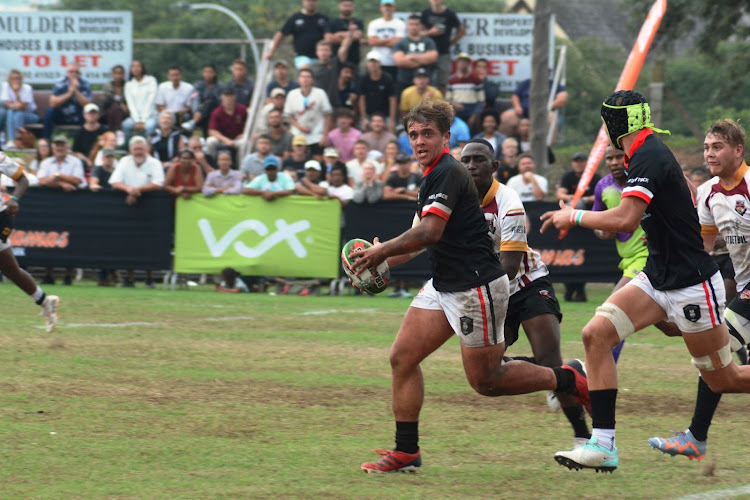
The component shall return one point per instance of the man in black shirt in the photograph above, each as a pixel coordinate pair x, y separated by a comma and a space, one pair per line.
88, 134
338, 29
443, 26
467, 295
307, 27
377, 93
680, 281
402, 184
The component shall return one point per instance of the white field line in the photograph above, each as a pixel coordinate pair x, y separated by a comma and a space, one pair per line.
335, 311
717, 494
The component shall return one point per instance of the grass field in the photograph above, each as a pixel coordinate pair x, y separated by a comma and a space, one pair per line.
192, 394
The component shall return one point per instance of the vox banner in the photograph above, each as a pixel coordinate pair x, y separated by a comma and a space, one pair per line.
296, 236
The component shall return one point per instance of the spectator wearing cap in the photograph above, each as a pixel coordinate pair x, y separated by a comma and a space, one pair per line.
361, 157
61, 170
309, 183
309, 111
223, 180
378, 137
442, 25
412, 52
101, 173
307, 27
337, 186
226, 127
86, 136
402, 184
331, 159
413, 95
280, 79
185, 177
368, 189
253, 164
298, 158
271, 184
377, 93
174, 95
383, 33
17, 106
69, 95
344, 26
465, 90
570, 179
205, 98
242, 84
488, 121
278, 98
344, 136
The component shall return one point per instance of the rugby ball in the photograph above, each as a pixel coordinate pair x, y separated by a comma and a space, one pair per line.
366, 280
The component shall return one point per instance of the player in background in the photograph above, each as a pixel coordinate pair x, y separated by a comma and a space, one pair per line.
8, 265
467, 295
532, 297
680, 281
723, 209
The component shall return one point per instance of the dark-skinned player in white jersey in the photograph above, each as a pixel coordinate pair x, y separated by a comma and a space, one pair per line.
467, 295
680, 282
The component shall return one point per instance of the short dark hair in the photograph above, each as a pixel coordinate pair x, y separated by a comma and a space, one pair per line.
210, 65
729, 130
265, 136
431, 110
240, 62
526, 155
414, 16
377, 113
362, 141
174, 66
489, 112
483, 142
305, 70
118, 66
345, 113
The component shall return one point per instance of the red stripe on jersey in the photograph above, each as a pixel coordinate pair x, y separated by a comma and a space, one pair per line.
484, 317
430, 167
710, 307
435, 210
514, 214
637, 194
525, 280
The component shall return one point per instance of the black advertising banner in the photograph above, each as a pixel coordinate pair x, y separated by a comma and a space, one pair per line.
85, 229
580, 256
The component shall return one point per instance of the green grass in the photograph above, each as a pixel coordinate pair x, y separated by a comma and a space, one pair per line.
193, 394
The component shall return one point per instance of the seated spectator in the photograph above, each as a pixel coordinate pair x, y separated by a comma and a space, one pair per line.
412, 52
344, 136
224, 180
332, 159
272, 184
411, 96
114, 107
345, 90
377, 94
355, 165
369, 189
204, 160
378, 137
520, 101
528, 185
226, 127
86, 137
17, 106
569, 183
278, 98
174, 95
205, 98
241, 84
460, 133
184, 177
103, 171
465, 90
390, 154
61, 170
231, 282
167, 140
106, 140
43, 151
524, 139
309, 112
253, 164
491, 89
140, 93
508, 165
402, 184
337, 186
280, 80
298, 158
291, 172
69, 95
136, 174
281, 139
310, 183
489, 120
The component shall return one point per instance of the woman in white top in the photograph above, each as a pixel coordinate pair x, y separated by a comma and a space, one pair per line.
19, 106
140, 92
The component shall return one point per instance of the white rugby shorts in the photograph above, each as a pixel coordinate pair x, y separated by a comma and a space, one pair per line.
476, 315
695, 308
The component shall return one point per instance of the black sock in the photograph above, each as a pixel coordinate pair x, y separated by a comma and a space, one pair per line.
705, 405
40, 301
575, 416
407, 437
566, 380
528, 359
603, 403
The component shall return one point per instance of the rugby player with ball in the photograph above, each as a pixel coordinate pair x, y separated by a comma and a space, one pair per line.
467, 295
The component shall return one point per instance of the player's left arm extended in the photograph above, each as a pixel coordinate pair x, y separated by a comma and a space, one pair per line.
624, 218
411, 242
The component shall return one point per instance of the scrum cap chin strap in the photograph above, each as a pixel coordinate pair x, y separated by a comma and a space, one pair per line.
623, 120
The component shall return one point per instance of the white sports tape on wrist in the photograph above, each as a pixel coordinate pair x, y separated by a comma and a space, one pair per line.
738, 325
617, 317
715, 361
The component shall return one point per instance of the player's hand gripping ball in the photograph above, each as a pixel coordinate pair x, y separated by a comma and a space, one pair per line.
366, 280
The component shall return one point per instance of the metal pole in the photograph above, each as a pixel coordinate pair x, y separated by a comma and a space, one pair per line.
236, 18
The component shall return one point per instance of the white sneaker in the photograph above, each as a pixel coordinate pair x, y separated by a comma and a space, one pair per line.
554, 403
49, 311
579, 442
589, 456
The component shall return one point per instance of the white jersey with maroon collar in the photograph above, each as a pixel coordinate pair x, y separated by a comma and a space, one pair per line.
506, 217
12, 170
725, 211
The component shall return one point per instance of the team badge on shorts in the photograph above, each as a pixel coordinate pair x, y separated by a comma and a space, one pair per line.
692, 312
739, 207
745, 294
467, 325
545, 294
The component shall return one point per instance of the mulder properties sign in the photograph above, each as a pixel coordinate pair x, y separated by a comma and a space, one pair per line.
296, 236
